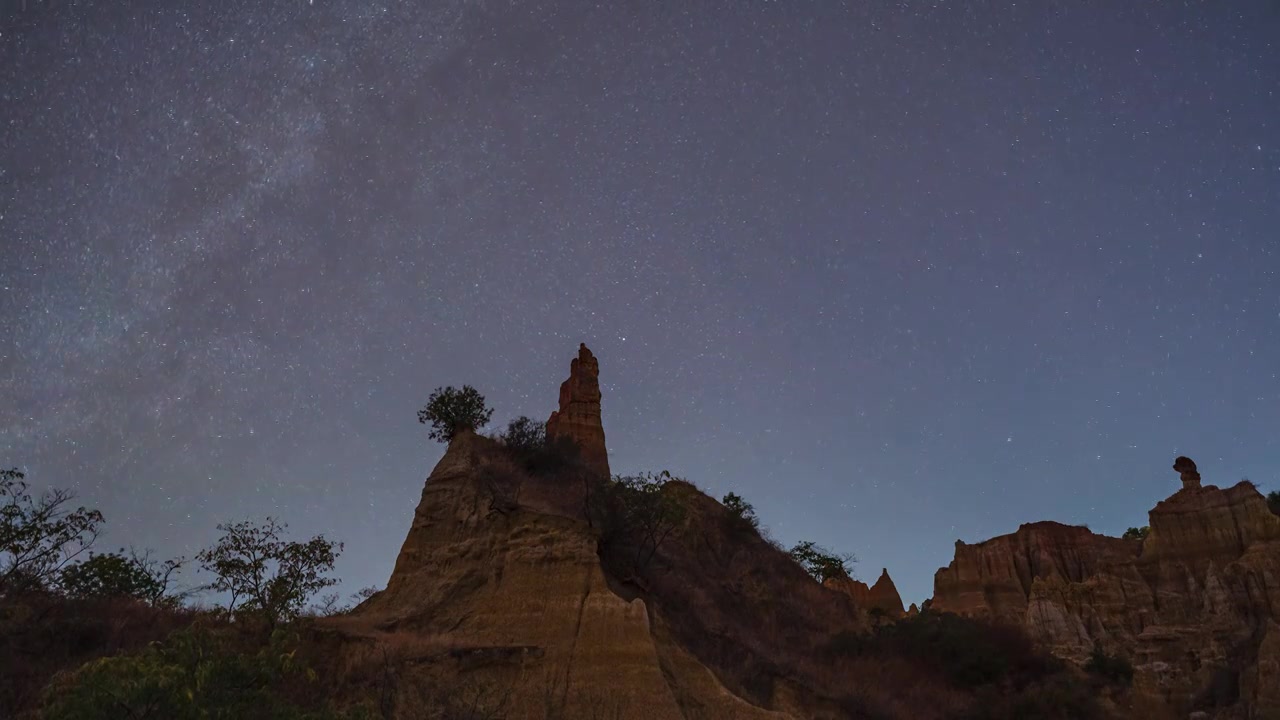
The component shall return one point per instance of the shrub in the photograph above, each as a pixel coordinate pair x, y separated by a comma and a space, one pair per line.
742, 510
1112, 669
635, 516
450, 411
194, 674
265, 573
969, 653
526, 439
822, 563
115, 575
1134, 533
39, 536
1273, 501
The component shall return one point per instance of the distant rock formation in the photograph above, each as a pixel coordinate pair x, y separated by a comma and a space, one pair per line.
1186, 469
579, 414
882, 596
1194, 606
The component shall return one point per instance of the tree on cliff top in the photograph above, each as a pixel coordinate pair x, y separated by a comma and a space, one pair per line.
450, 411
822, 563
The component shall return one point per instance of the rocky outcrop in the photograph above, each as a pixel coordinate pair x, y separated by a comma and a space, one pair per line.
579, 415
502, 596
513, 588
1194, 605
882, 598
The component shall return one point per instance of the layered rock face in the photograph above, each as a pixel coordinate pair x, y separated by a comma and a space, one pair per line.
493, 593
1194, 605
881, 598
579, 415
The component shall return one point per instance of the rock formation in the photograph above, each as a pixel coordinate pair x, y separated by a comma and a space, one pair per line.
579, 415
1186, 470
1194, 606
882, 597
509, 581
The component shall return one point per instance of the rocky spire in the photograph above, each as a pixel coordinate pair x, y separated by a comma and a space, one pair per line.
579, 414
1187, 470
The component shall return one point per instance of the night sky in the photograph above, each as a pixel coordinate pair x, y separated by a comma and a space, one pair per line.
897, 273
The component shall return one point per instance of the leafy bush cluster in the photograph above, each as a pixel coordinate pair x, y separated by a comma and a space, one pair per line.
116, 575
635, 515
527, 441
194, 674
1134, 533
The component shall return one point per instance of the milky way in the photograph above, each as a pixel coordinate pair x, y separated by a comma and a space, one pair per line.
896, 273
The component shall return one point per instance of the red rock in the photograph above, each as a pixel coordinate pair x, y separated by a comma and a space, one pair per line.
1196, 601
579, 414
882, 596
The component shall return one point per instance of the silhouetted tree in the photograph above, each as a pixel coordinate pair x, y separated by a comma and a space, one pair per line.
266, 574
524, 433
822, 563
636, 516
119, 575
450, 411
742, 509
1273, 501
39, 535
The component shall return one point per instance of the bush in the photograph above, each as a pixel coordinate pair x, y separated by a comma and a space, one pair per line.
450, 411
1112, 669
1273, 501
635, 516
195, 673
526, 439
115, 575
1134, 533
39, 536
263, 573
822, 563
969, 653
742, 510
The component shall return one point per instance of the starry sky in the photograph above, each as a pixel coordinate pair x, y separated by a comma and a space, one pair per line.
897, 273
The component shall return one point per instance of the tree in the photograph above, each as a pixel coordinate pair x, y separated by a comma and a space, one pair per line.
263, 573
638, 516
822, 563
526, 439
1134, 533
1273, 501
450, 411
117, 575
39, 535
742, 509
524, 433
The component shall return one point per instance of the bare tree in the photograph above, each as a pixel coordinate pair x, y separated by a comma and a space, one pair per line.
39, 536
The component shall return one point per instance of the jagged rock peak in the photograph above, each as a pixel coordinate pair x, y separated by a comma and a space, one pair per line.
882, 596
579, 414
1186, 469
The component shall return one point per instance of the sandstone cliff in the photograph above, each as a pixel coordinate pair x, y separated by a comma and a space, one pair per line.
1194, 605
509, 586
882, 597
